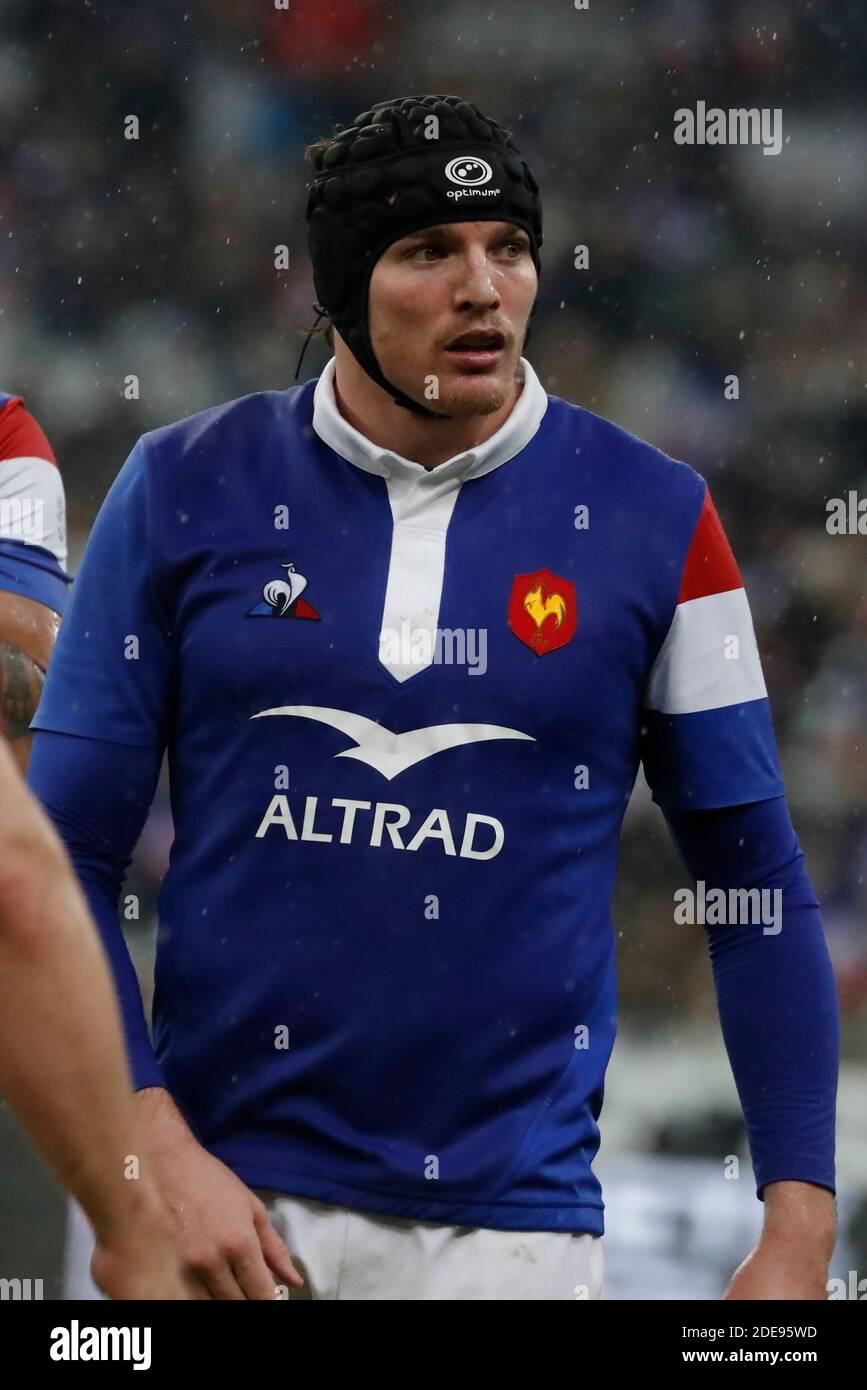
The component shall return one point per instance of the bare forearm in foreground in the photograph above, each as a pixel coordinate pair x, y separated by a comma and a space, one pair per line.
63, 1065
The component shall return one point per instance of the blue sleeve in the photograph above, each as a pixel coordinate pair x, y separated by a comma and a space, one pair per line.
98, 795
33, 572
776, 991
111, 672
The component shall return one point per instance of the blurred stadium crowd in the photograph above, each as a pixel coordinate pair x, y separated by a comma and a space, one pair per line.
156, 257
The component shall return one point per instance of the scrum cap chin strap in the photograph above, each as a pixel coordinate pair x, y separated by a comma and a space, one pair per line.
384, 179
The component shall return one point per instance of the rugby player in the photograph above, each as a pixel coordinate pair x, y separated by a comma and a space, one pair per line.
385, 979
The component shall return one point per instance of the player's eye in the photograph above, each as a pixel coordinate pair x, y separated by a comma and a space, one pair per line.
518, 245
430, 246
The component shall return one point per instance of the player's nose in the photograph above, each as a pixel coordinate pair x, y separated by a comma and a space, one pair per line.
477, 281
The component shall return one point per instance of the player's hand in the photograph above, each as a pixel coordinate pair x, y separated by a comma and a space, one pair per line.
226, 1241
773, 1270
141, 1261
792, 1256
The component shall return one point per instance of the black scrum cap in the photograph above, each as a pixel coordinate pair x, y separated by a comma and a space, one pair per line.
395, 171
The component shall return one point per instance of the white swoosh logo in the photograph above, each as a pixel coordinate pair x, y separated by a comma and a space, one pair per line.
388, 753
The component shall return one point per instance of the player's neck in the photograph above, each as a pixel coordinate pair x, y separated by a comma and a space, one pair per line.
428, 442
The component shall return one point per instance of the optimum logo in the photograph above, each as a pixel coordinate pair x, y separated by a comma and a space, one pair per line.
470, 173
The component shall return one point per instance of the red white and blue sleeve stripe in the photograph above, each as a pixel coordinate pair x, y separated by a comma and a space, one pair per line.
32, 510
708, 736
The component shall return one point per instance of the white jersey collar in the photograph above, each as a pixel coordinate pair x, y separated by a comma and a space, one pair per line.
513, 435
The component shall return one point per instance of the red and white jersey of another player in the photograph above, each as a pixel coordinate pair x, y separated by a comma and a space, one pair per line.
32, 510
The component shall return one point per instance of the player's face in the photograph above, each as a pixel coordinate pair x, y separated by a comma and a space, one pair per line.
444, 283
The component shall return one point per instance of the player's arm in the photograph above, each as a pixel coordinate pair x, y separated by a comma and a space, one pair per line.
62, 1062
711, 760
33, 579
27, 633
779, 1015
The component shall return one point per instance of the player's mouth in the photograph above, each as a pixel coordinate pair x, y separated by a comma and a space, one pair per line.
478, 349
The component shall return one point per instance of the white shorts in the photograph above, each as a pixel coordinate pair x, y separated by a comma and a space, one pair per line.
359, 1256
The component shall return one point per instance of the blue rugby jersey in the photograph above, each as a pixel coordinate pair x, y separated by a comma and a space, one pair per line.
404, 712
